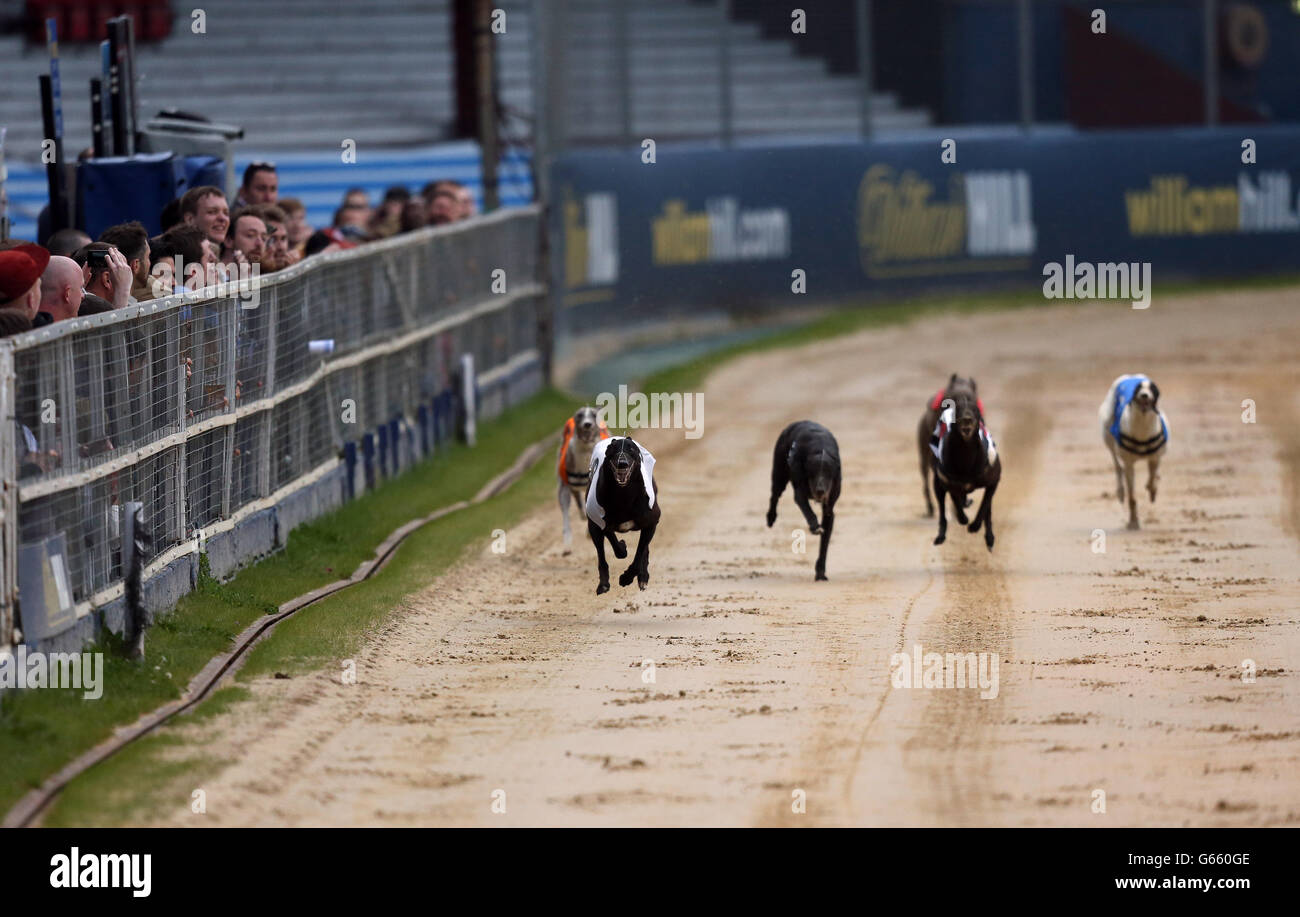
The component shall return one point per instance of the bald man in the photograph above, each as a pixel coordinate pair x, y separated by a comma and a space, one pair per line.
61, 289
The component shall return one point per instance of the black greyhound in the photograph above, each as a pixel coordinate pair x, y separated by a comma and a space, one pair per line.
619, 490
808, 457
960, 460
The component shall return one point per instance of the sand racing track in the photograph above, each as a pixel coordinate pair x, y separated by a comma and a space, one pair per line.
1119, 671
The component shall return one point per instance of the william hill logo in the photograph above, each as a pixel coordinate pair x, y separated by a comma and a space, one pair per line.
723, 231
1173, 207
905, 228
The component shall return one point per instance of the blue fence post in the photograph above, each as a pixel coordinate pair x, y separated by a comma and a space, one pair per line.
395, 445
422, 420
350, 461
368, 452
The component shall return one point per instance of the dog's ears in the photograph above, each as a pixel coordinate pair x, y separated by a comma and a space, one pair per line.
1155, 394
952, 380
973, 386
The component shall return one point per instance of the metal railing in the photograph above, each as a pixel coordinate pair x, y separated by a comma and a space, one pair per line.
206, 408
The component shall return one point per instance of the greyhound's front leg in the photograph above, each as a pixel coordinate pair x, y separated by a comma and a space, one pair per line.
618, 545
801, 501
828, 524
1119, 473
598, 538
985, 516
566, 497
639, 569
1153, 476
940, 494
959, 503
1132, 500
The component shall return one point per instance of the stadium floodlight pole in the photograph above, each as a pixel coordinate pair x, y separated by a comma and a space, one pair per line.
863, 13
1210, 13
724, 71
537, 55
105, 90
1026, 30
97, 116
544, 15
54, 175
555, 51
52, 111
130, 80
488, 139
117, 88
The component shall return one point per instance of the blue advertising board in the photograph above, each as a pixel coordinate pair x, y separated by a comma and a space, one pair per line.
733, 228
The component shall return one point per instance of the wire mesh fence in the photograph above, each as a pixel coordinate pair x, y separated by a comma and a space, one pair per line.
202, 407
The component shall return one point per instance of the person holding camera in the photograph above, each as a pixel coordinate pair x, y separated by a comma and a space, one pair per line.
107, 278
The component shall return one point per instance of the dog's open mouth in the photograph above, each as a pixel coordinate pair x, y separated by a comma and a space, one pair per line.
622, 474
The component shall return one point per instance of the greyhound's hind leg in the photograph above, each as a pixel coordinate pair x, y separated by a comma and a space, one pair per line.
780, 477
922, 440
566, 497
639, 569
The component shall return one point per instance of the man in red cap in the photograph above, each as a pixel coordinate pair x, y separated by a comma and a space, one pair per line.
20, 286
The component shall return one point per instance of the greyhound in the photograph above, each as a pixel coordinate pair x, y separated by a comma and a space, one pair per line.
808, 457
581, 431
965, 462
1133, 428
925, 429
622, 497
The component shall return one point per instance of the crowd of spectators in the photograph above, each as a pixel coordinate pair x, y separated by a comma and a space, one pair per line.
203, 242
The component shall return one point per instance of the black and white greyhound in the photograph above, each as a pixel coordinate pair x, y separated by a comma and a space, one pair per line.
963, 458
808, 457
622, 497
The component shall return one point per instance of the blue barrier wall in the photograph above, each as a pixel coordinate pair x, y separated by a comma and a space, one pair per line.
726, 228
